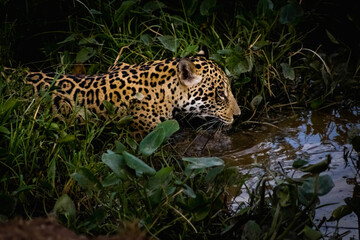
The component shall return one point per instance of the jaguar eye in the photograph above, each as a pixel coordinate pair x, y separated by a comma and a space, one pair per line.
221, 94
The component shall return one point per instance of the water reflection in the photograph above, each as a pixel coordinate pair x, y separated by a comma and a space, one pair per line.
309, 135
298, 136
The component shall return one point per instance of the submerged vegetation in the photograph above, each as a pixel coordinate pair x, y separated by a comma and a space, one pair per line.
96, 178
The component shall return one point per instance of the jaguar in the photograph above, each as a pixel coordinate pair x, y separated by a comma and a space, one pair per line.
150, 92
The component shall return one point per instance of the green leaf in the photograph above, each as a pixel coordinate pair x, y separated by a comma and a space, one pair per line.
110, 180
124, 121
70, 38
325, 184
55, 126
124, 10
169, 190
68, 138
161, 178
154, 139
65, 206
119, 147
242, 81
284, 194
201, 213
331, 37
189, 191
132, 143
152, 142
8, 106
291, 13
191, 173
299, 163
210, 177
354, 201
239, 64
169, 126
158, 194
153, 6
4, 130
197, 202
315, 104
199, 206
155, 196
84, 54
138, 165
256, 101
225, 51
51, 173
288, 71
146, 39
96, 218
260, 44
190, 50
318, 167
86, 179
94, 12
21, 189
109, 107
115, 162
89, 40
159, 185
169, 42
340, 212
216, 57
203, 162
311, 233
251, 230
265, 8
207, 7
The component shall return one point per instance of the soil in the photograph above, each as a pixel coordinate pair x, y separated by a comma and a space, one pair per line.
49, 229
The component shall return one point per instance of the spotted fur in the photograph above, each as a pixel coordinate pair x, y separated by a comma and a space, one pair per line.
149, 91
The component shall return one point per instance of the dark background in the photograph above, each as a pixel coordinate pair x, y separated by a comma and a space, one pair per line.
32, 29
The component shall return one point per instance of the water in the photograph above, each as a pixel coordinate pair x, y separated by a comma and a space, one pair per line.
279, 141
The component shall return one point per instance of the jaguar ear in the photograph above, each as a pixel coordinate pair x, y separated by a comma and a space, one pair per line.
187, 75
204, 52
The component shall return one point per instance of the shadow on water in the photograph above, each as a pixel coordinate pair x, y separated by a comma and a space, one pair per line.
309, 135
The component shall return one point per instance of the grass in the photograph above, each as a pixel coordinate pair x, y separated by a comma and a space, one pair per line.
95, 177
49, 166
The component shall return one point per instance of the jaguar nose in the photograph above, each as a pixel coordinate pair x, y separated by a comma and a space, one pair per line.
237, 110
234, 106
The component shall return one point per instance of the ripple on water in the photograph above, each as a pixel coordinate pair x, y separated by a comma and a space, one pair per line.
311, 136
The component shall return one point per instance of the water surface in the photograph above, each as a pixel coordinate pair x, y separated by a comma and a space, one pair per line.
281, 139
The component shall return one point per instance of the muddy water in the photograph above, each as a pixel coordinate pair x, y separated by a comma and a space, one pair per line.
282, 139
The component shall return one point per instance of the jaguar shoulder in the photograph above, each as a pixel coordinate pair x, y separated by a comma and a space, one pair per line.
150, 91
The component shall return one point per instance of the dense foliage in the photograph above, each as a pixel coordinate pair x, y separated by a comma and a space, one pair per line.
51, 166
281, 52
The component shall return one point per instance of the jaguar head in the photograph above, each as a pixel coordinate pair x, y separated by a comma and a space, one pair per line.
208, 88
